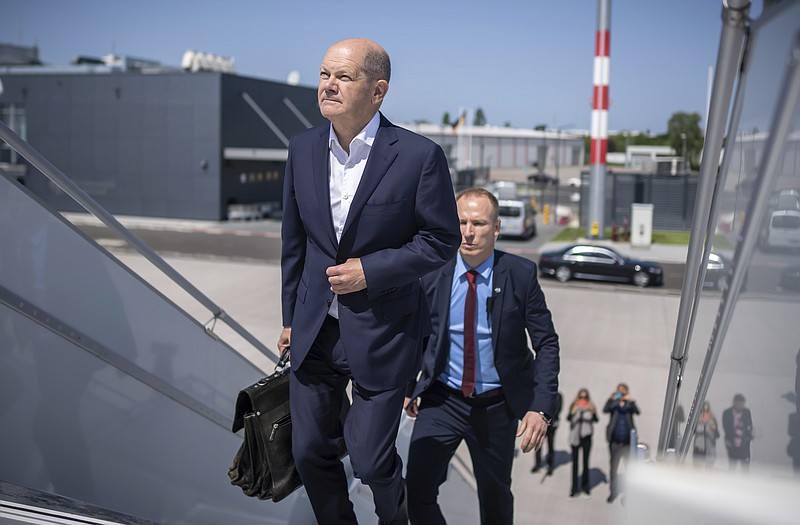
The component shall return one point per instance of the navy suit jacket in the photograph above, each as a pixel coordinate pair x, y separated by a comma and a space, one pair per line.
519, 306
402, 223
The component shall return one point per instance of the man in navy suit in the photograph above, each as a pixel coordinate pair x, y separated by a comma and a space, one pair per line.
368, 209
479, 381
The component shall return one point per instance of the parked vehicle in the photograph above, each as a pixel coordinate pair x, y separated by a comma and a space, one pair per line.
587, 261
542, 178
503, 189
783, 230
717, 271
517, 218
788, 200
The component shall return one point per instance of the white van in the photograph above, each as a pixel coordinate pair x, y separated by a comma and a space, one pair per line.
517, 218
783, 230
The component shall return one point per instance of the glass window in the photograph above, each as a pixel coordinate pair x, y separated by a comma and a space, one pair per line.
601, 257
786, 222
510, 211
714, 261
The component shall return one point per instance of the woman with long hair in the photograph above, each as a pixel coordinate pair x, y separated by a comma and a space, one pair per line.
582, 417
705, 438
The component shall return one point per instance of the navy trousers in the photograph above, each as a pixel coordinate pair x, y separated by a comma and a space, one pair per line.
370, 430
617, 451
444, 420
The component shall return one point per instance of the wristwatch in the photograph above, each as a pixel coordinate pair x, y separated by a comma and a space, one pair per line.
547, 419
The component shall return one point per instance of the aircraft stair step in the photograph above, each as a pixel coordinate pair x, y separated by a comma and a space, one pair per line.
20, 505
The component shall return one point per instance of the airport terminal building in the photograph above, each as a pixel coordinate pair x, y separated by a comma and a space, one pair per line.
204, 143
504, 148
147, 140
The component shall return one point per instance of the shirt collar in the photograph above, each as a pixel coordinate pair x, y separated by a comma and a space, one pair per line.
484, 269
366, 136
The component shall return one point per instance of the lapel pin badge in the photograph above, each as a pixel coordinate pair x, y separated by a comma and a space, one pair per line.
497, 290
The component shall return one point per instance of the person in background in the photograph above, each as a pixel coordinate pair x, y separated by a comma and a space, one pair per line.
479, 381
551, 435
737, 422
705, 438
582, 416
622, 407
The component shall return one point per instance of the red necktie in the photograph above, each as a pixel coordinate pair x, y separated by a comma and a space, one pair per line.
468, 379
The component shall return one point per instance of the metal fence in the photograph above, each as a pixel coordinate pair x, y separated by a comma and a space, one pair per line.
672, 197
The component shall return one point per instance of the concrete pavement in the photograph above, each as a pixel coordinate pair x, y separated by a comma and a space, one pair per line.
607, 335
662, 253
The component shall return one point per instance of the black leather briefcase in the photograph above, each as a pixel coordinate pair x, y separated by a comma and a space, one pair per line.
264, 466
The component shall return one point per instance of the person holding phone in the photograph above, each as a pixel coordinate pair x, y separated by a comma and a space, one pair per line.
622, 407
582, 417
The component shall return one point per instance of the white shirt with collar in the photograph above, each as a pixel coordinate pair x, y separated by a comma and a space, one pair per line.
345, 175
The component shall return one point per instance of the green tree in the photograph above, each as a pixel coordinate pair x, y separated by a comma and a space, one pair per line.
480, 118
540, 127
683, 129
446, 119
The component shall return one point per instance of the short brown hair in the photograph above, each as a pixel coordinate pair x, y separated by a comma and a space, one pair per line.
481, 192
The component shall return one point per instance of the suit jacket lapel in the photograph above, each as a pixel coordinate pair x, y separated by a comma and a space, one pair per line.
499, 280
321, 167
381, 156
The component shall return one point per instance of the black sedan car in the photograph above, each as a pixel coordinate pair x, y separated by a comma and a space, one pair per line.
717, 271
587, 261
542, 178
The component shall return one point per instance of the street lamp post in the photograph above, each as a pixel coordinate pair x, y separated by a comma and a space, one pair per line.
558, 178
558, 164
683, 151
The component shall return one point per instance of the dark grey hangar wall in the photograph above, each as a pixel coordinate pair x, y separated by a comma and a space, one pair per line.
166, 144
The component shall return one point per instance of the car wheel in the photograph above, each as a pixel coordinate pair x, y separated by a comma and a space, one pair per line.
722, 283
563, 274
641, 279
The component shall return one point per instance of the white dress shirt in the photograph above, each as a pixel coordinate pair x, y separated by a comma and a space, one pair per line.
346, 172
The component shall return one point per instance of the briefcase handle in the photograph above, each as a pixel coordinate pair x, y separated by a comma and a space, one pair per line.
284, 360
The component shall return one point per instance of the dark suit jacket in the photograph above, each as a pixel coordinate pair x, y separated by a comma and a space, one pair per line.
402, 223
528, 384
612, 407
730, 429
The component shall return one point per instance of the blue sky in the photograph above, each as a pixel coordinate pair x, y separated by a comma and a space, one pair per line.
526, 62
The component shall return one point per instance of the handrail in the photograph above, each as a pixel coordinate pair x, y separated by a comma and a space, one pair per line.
61, 328
734, 15
767, 173
81, 197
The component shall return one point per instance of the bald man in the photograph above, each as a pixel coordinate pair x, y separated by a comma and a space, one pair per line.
368, 209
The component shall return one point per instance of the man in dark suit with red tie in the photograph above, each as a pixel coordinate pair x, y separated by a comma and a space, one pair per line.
368, 209
479, 382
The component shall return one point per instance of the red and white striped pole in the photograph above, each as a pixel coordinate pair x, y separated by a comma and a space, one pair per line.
599, 133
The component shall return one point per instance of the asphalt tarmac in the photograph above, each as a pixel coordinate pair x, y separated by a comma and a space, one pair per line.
628, 339
259, 241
